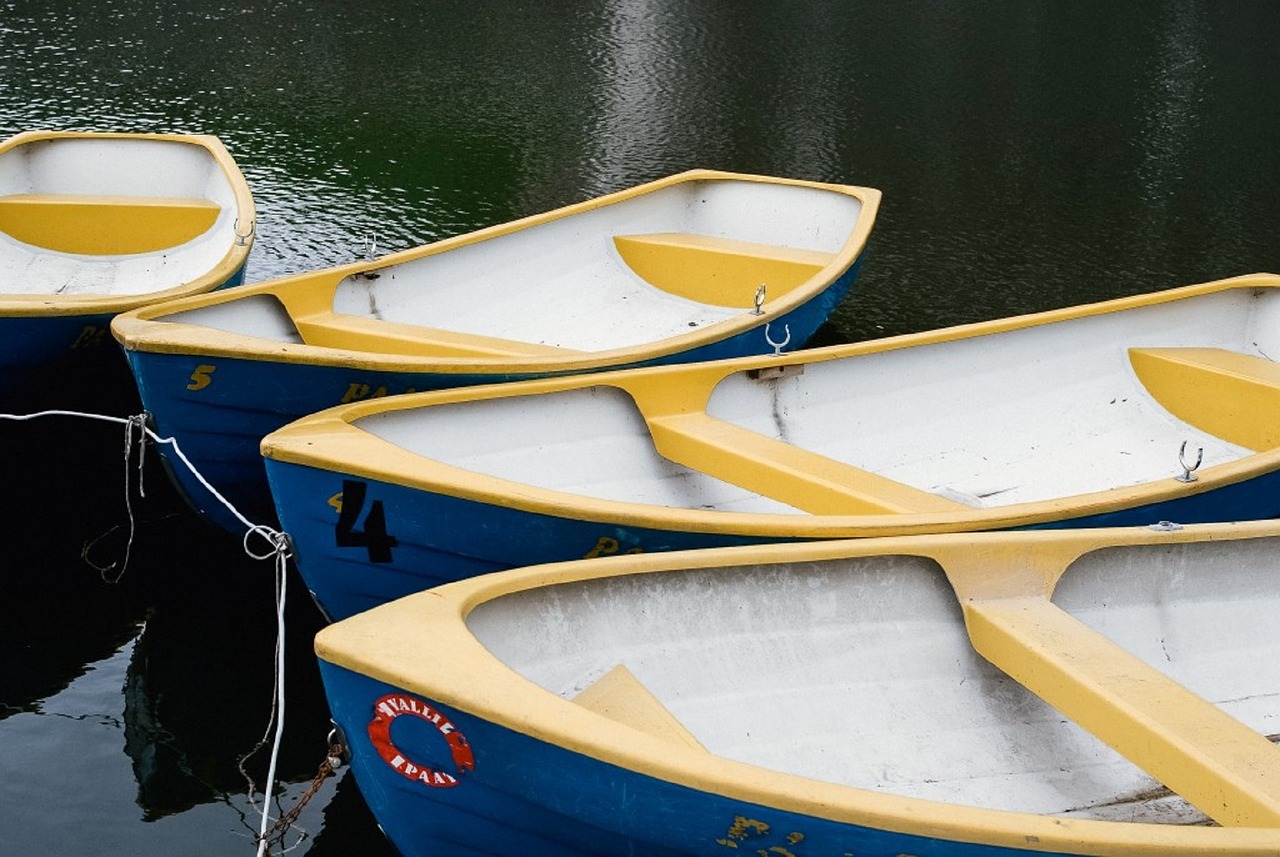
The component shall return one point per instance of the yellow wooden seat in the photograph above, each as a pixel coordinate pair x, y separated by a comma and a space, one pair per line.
1230, 395
787, 473
1221, 766
104, 225
620, 696
334, 330
720, 271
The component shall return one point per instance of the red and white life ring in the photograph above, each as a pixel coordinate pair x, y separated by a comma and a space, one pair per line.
394, 705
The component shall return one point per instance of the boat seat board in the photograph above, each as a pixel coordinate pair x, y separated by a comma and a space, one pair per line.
720, 271
335, 330
620, 696
783, 472
1215, 762
105, 225
1230, 395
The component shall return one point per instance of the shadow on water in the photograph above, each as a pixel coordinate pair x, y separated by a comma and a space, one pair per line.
92, 575
348, 827
96, 382
57, 496
199, 685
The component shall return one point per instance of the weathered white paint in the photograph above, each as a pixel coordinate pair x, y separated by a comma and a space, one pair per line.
648, 273
593, 439
859, 671
548, 285
255, 315
1031, 414
1047, 411
114, 166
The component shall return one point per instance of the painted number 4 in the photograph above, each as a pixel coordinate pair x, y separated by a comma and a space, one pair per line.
374, 536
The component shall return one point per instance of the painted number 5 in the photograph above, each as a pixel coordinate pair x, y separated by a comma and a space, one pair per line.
201, 377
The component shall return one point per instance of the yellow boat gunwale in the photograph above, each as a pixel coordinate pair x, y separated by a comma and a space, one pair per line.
351, 450
37, 305
385, 643
136, 331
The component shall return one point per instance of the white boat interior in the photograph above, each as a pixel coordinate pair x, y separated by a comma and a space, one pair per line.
859, 671
652, 266
105, 215
1085, 404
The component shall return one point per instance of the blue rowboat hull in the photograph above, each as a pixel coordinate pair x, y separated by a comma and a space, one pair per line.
58, 360
61, 359
32, 343
1097, 691
394, 540
100, 224
491, 790
220, 408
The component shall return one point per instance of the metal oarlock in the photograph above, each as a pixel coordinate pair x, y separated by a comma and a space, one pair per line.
242, 238
778, 346
1188, 470
370, 252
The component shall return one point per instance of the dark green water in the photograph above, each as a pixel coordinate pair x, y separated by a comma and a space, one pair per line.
1032, 154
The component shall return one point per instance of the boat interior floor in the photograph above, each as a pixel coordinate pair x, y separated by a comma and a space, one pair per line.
595, 306
67, 244
1147, 684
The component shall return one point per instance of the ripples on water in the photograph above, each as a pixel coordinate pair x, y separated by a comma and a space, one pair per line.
1032, 154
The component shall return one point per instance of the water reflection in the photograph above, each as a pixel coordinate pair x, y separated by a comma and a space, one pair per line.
347, 827
1176, 90
59, 757
167, 778
186, 737
199, 688
56, 615
137, 616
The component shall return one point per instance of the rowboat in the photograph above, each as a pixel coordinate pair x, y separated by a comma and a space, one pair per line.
1157, 407
1111, 691
701, 265
94, 224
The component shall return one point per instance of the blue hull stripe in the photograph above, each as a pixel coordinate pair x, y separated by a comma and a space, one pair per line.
66, 343
525, 796
439, 538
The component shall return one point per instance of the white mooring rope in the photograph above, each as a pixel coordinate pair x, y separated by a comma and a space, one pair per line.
280, 551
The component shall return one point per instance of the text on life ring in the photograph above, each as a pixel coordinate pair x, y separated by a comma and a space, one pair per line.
394, 705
